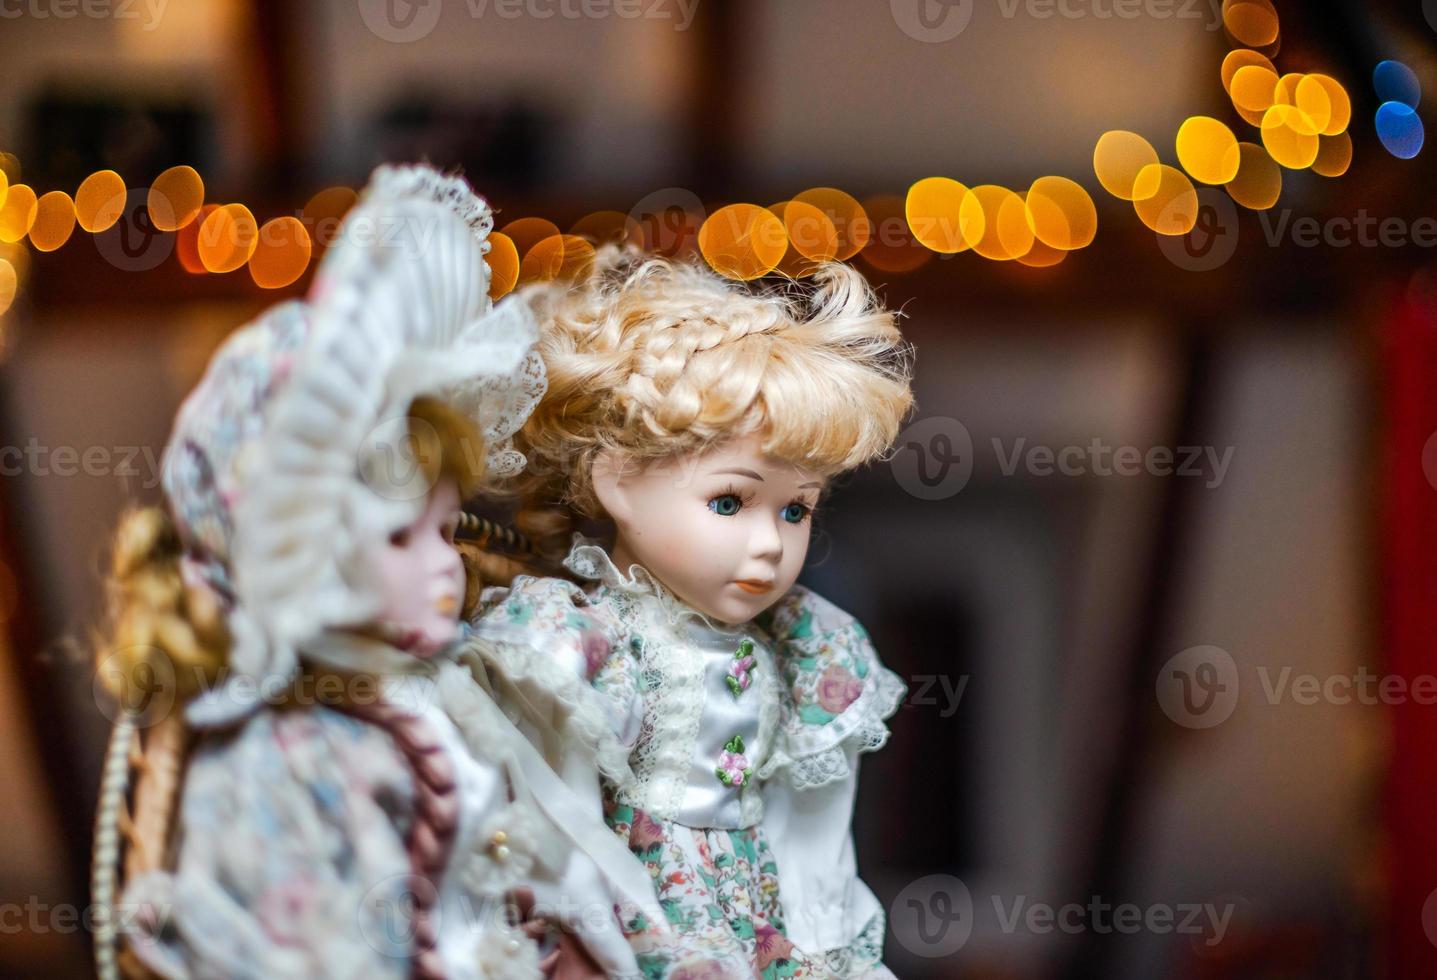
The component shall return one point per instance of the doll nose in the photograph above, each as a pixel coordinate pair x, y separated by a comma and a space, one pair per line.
765, 542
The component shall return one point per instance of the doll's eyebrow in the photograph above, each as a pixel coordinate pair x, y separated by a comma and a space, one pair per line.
738, 471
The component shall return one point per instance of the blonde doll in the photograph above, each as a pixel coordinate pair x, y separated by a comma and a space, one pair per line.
724, 705
354, 804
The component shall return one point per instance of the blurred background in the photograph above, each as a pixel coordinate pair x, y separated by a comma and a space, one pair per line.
1155, 553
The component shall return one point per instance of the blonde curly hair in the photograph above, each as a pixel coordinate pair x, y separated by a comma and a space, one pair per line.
652, 357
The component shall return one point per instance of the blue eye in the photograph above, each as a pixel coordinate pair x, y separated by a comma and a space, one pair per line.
795, 513
726, 504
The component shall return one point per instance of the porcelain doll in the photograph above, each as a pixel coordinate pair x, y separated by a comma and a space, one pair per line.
354, 805
724, 706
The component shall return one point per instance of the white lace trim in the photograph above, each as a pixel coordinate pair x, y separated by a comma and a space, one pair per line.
820, 757
588, 559
400, 181
555, 695
862, 959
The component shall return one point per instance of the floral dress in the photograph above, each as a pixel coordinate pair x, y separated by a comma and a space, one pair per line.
739, 750
293, 855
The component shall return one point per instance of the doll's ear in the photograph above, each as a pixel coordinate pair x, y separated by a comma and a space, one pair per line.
607, 478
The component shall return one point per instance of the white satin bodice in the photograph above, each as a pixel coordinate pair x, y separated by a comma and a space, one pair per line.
707, 800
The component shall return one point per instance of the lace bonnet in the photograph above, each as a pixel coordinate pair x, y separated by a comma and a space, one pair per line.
290, 455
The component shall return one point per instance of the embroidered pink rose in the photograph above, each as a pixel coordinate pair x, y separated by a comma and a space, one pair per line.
837, 689
733, 767
740, 668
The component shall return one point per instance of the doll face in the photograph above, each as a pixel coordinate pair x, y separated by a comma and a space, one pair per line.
422, 577
726, 530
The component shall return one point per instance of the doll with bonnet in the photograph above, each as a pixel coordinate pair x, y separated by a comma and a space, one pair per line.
724, 706
353, 804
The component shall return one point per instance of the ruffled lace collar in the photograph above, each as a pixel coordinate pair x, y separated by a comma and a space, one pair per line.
588, 559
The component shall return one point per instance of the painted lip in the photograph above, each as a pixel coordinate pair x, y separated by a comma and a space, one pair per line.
754, 586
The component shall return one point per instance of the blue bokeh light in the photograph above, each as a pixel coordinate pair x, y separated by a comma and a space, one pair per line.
1400, 130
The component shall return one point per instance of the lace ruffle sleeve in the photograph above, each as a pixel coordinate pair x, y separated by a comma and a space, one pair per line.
837, 693
564, 665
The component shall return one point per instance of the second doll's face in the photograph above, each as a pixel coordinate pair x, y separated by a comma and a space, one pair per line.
422, 576
726, 530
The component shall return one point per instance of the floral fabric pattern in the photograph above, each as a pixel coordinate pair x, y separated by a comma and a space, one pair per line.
719, 890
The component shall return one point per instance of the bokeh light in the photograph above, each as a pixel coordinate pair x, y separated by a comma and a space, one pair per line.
607, 227
1006, 234
1339, 100
187, 243
100, 201
323, 215
1118, 159
17, 214
282, 253
1239, 58
1258, 183
525, 233
1334, 155
892, 246
1061, 214
1253, 23
175, 198
847, 215
1285, 140
9, 285
812, 238
1043, 256
1254, 88
10, 167
1165, 200
566, 258
1207, 150
228, 238
54, 221
1395, 82
743, 241
944, 215
503, 259
1398, 127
